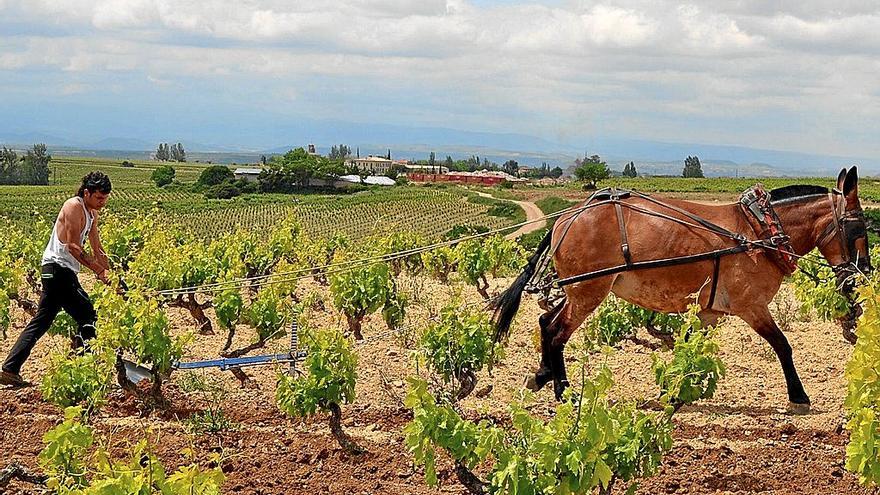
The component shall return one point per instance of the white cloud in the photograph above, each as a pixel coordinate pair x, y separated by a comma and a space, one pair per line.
114, 14
612, 25
633, 66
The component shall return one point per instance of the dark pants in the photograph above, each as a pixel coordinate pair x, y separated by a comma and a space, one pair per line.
61, 290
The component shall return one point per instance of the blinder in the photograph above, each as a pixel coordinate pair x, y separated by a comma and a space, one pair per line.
848, 227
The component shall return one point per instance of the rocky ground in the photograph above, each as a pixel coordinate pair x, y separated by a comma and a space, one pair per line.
741, 441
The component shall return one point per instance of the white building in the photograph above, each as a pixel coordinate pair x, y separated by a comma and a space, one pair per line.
373, 180
248, 174
375, 165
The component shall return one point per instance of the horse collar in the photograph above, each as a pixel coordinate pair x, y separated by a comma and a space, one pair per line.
755, 203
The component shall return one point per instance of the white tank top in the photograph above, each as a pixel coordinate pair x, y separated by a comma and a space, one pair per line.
57, 252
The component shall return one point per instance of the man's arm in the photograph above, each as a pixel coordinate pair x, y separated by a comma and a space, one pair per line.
70, 223
97, 248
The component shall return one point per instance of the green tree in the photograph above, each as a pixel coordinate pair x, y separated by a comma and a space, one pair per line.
511, 167
215, 174
591, 171
340, 152
162, 153
692, 167
181, 154
9, 166
630, 170
296, 168
35, 169
163, 175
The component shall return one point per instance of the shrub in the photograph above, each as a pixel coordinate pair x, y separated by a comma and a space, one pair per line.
459, 231
246, 186
163, 175
65, 461
73, 380
440, 262
610, 323
226, 190
590, 443
695, 368
135, 324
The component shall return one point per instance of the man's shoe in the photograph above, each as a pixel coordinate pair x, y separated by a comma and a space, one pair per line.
12, 379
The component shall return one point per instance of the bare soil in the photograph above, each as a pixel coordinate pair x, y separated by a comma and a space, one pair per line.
742, 441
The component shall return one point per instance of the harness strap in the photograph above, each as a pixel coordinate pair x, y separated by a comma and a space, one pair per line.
837, 211
624, 242
714, 282
640, 265
705, 223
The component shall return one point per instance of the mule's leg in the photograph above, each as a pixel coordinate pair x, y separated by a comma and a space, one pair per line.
763, 323
549, 327
582, 300
709, 318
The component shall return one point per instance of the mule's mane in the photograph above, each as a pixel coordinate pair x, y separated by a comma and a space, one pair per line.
796, 192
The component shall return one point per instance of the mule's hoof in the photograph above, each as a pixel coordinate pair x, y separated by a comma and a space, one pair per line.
531, 383
795, 408
559, 387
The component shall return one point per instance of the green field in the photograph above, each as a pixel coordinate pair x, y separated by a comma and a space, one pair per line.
429, 211
869, 188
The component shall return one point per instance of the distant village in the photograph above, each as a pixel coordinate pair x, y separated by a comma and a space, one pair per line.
379, 170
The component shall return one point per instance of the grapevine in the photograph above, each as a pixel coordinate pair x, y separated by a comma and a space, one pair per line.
458, 345
329, 380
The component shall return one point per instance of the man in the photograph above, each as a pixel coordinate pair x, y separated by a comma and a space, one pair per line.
62, 260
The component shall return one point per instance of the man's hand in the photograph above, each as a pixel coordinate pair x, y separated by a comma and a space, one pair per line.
102, 276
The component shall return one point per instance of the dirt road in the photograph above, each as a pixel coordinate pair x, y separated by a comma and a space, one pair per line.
532, 213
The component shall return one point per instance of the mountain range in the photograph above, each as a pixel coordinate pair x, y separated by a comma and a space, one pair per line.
651, 157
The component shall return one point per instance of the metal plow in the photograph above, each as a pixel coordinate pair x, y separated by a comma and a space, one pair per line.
137, 373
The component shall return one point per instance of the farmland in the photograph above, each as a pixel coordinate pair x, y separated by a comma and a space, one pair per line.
714, 189
424, 332
429, 211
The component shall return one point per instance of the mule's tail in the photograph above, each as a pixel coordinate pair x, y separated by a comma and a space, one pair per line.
507, 304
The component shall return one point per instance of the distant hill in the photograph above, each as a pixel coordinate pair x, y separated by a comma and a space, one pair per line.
417, 142
122, 144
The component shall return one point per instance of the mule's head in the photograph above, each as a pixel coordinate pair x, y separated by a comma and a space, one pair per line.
844, 242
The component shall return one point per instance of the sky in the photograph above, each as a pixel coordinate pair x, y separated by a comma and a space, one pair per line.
784, 75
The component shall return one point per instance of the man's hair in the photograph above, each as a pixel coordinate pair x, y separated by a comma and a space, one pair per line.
95, 181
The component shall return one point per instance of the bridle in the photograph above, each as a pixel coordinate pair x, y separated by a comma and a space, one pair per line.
841, 222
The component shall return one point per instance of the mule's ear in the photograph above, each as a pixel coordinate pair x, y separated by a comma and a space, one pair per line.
851, 183
840, 178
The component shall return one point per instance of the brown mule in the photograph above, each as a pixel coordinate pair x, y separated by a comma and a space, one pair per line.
589, 239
